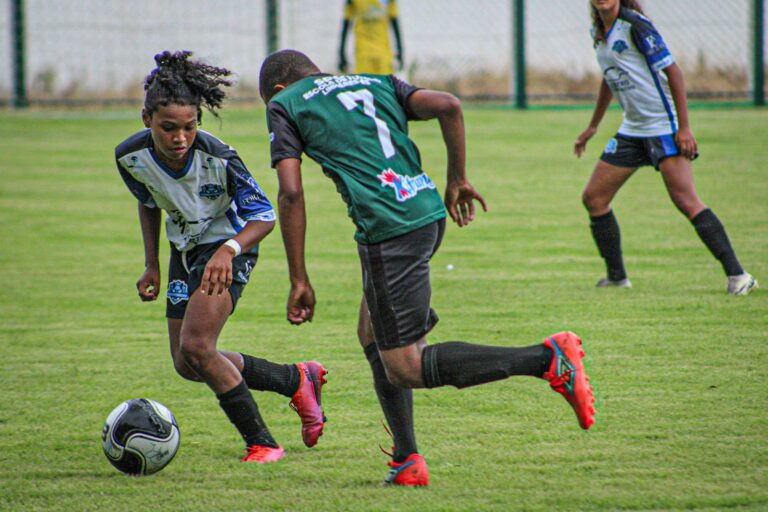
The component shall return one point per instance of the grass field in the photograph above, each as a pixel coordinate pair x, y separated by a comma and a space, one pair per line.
680, 366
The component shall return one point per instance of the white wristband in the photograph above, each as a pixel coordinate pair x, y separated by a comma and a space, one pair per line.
234, 245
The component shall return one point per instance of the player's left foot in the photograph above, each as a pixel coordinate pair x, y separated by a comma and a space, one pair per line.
307, 401
262, 454
741, 284
412, 472
566, 375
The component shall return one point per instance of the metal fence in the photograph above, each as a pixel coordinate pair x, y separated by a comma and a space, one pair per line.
86, 51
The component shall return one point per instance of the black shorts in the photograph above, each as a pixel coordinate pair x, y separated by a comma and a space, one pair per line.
185, 271
396, 285
633, 152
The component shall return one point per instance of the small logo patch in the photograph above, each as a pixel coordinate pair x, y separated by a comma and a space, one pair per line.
620, 46
178, 291
612, 146
406, 187
210, 190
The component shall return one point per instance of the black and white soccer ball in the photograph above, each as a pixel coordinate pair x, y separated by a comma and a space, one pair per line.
140, 436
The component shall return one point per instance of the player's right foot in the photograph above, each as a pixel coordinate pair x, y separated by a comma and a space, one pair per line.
262, 454
607, 283
307, 401
412, 472
741, 284
566, 375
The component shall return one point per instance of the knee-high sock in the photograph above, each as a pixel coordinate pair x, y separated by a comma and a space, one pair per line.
607, 235
397, 404
241, 409
460, 364
264, 375
712, 233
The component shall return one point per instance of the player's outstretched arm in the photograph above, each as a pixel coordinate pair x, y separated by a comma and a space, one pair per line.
604, 97
148, 284
293, 225
459, 195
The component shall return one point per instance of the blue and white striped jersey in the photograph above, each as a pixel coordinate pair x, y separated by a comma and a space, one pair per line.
632, 58
210, 200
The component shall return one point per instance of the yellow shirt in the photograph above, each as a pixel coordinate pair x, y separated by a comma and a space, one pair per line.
373, 52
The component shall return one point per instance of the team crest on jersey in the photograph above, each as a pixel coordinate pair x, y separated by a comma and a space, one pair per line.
620, 46
210, 190
406, 187
612, 146
178, 291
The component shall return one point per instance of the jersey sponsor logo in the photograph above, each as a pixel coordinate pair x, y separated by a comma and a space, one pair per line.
620, 46
618, 79
612, 146
406, 187
178, 291
210, 190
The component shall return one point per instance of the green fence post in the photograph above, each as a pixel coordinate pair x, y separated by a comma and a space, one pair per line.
758, 75
272, 26
521, 95
18, 54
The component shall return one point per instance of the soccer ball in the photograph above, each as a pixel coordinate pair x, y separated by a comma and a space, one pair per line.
140, 436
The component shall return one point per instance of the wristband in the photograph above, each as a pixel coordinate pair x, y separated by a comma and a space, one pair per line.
234, 245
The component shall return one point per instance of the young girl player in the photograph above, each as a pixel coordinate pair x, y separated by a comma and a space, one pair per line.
216, 216
641, 73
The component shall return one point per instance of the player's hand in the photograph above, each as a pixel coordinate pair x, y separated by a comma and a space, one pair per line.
148, 284
581, 141
217, 277
459, 201
301, 304
686, 142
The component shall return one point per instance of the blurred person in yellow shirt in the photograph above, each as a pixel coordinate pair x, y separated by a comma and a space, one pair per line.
373, 50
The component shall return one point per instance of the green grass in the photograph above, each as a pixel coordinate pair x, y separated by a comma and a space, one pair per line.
680, 367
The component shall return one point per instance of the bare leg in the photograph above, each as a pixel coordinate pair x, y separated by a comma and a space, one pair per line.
678, 178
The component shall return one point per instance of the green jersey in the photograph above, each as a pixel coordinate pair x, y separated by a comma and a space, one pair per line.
356, 128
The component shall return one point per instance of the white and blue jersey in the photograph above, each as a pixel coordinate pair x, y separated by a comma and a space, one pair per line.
632, 58
210, 200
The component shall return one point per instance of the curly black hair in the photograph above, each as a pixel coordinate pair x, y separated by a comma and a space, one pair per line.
181, 81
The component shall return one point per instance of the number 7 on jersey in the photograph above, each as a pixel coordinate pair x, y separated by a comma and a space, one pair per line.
350, 98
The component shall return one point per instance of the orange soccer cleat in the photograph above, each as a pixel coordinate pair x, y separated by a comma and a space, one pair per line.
566, 375
307, 401
412, 472
262, 454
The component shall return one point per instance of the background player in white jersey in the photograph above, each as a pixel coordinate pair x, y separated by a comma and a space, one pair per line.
640, 72
217, 215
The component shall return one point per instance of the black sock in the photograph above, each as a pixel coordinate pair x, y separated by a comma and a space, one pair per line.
397, 404
242, 411
460, 364
264, 375
712, 233
607, 235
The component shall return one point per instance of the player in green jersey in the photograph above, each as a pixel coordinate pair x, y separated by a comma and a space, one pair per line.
356, 128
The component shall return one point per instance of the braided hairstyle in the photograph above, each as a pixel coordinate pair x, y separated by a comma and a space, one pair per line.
598, 23
180, 81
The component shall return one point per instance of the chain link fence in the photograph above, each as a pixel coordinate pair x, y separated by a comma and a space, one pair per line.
85, 51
